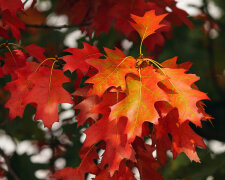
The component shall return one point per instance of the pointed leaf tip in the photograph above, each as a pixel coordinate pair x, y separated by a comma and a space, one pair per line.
148, 24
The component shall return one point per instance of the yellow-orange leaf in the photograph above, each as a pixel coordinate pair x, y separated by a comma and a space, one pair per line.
147, 24
138, 106
182, 95
111, 71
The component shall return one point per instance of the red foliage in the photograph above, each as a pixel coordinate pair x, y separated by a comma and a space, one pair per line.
124, 95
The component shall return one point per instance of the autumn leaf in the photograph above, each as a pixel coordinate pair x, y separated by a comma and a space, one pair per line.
182, 15
87, 165
111, 71
184, 139
112, 133
85, 110
182, 95
108, 99
13, 60
148, 24
48, 93
124, 171
3, 33
172, 63
138, 106
13, 6
36, 51
146, 163
14, 23
79, 57
19, 88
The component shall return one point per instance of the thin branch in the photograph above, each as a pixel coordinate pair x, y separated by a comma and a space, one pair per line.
7, 161
43, 26
25, 2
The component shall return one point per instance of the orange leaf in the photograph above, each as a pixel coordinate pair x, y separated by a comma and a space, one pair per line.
87, 165
148, 24
182, 95
112, 71
138, 106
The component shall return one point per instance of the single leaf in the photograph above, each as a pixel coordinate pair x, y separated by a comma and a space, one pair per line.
19, 88
184, 139
87, 165
123, 171
36, 51
182, 15
148, 24
14, 23
47, 94
108, 99
138, 106
85, 110
3, 33
182, 95
146, 163
12, 5
13, 61
172, 63
79, 57
111, 71
112, 133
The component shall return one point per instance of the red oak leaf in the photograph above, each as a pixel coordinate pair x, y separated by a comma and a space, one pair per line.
13, 61
19, 89
87, 165
146, 163
14, 23
108, 99
182, 15
47, 93
85, 110
3, 33
83, 91
172, 63
138, 106
79, 57
123, 171
36, 51
147, 24
184, 139
182, 95
117, 147
12, 5
111, 71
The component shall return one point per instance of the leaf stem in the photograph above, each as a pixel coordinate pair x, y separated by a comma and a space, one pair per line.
141, 46
50, 79
11, 54
44, 62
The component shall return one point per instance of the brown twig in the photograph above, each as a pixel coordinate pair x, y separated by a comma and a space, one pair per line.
25, 2
7, 161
